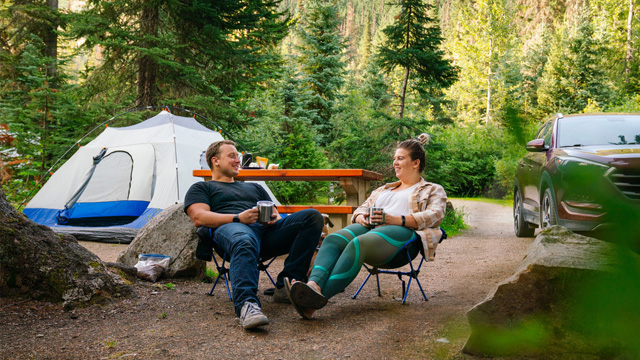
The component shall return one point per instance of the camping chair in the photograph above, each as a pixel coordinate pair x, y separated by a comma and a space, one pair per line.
413, 274
206, 234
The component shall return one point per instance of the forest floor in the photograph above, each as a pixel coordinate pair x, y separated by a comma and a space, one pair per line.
185, 323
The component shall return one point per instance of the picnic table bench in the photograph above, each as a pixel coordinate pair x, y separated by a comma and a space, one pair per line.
355, 183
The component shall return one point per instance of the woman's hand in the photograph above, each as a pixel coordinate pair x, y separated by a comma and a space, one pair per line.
363, 219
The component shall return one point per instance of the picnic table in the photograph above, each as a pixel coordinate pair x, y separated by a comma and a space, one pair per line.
355, 183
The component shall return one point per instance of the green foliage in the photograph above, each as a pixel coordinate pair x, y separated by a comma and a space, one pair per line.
414, 43
320, 59
207, 53
170, 286
572, 76
462, 158
453, 222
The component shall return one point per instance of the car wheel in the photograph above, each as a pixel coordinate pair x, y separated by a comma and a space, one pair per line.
548, 211
521, 227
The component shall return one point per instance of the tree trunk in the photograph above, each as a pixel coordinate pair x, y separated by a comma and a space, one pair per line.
51, 41
628, 59
147, 67
489, 74
406, 73
36, 263
403, 93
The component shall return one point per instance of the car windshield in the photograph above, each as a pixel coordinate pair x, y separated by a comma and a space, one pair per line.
598, 130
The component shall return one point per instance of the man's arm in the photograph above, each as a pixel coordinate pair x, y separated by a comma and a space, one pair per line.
201, 215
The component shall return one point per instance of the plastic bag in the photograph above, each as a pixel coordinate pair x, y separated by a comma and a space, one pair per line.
151, 266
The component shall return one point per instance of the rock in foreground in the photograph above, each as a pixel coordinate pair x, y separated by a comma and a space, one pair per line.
169, 233
570, 298
36, 263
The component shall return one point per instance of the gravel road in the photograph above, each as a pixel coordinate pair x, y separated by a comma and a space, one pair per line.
185, 323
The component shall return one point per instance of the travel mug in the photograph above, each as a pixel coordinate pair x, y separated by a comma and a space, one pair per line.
265, 210
247, 159
376, 211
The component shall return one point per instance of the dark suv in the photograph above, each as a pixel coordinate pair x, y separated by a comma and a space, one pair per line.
582, 172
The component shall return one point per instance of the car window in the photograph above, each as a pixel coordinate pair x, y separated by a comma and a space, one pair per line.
545, 133
598, 130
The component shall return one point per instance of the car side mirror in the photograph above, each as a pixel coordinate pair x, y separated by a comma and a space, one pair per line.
536, 145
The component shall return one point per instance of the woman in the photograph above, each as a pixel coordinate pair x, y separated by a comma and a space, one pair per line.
412, 207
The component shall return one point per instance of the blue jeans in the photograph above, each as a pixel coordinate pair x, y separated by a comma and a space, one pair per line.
297, 234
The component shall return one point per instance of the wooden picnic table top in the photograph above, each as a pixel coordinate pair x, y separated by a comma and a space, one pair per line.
298, 174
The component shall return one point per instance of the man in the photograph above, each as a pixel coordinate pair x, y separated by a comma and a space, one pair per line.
228, 207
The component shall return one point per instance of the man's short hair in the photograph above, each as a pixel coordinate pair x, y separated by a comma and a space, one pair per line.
214, 150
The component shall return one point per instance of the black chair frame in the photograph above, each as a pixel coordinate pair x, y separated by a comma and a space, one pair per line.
223, 269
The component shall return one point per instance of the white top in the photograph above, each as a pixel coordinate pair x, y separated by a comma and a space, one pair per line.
395, 203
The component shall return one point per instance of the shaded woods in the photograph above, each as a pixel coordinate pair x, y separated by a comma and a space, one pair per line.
316, 83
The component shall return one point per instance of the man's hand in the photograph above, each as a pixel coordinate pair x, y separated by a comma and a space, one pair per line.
249, 216
275, 216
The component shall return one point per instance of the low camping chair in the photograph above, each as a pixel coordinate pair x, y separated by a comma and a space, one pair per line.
413, 274
223, 269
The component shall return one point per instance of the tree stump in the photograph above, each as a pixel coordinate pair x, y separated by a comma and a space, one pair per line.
36, 263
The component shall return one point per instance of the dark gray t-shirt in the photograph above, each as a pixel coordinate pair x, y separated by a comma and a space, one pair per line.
225, 198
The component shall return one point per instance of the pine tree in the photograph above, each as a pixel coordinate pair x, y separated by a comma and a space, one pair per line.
45, 119
321, 60
414, 43
206, 53
572, 77
298, 148
485, 43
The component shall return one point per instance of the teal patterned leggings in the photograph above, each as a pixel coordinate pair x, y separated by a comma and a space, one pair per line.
343, 252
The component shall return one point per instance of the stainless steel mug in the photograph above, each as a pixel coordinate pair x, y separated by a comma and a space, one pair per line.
265, 210
372, 211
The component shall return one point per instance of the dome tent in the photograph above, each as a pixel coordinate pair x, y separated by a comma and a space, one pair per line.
111, 187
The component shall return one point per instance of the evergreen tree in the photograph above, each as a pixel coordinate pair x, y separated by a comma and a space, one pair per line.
414, 43
186, 52
298, 149
485, 43
320, 60
46, 120
572, 77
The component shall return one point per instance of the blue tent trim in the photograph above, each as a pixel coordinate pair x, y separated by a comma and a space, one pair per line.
102, 210
118, 234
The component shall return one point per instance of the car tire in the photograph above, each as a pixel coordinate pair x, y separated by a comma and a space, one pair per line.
521, 227
548, 210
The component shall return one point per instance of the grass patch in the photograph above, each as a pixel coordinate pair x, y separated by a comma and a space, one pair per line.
453, 222
210, 274
503, 202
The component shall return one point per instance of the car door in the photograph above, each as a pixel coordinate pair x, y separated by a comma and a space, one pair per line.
531, 168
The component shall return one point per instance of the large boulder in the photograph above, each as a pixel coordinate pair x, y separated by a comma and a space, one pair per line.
39, 264
571, 297
169, 233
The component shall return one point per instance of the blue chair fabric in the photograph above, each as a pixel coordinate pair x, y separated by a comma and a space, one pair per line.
413, 274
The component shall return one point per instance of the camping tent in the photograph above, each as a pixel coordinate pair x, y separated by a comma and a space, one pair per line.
111, 187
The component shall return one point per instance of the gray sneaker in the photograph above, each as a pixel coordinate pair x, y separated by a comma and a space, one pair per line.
281, 296
251, 316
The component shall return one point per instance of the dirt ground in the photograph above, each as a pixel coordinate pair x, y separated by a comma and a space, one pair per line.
186, 323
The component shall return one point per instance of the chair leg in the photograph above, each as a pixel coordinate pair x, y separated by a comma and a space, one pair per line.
364, 282
222, 271
263, 267
414, 275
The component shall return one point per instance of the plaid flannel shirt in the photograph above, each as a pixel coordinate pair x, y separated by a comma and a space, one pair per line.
428, 205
